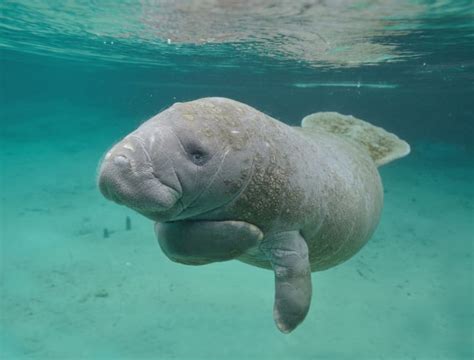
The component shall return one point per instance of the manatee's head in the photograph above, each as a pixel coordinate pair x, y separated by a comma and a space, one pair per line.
190, 159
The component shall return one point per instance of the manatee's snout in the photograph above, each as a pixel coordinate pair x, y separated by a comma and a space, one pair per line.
127, 177
112, 177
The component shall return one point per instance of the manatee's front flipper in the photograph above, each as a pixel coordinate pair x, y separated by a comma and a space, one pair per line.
203, 242
288, 254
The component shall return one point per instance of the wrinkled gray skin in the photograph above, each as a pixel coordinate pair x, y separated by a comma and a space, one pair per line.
224, 181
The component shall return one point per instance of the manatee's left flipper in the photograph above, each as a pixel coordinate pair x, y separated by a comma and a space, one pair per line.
203, 242
288, 254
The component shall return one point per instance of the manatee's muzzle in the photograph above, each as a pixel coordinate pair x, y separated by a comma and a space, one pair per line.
126, 177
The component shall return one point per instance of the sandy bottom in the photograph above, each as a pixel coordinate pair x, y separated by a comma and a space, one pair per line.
69, 293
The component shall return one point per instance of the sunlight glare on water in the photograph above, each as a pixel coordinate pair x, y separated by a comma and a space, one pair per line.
342, 33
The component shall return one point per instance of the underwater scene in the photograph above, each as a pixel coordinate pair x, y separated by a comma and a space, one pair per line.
227, 227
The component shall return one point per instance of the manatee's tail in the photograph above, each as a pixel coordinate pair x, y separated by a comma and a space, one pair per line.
382, 146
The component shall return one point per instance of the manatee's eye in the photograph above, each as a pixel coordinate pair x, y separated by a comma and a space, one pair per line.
196, 152
199, 157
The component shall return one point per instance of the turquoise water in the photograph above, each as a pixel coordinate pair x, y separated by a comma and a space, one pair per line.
77, 76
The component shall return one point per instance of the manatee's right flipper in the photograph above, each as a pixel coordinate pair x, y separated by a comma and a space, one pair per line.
204, 242
288, 254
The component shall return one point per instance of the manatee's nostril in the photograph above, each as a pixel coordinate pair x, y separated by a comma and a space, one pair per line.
121, 160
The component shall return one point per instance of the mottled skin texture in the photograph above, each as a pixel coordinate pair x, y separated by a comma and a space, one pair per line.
257, 190
293, 179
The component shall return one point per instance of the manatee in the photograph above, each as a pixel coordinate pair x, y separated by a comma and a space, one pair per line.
223, 181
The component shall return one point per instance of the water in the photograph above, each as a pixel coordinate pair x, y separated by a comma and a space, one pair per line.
76, 76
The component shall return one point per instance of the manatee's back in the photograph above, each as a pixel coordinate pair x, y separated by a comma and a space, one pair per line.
332, 191
349, 200
349, 151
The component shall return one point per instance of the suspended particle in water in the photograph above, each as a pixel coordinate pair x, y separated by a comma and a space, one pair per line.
128, 223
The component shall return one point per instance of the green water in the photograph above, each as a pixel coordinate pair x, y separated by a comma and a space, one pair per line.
77, 76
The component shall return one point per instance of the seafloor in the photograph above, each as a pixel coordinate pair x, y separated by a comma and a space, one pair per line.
70, 293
